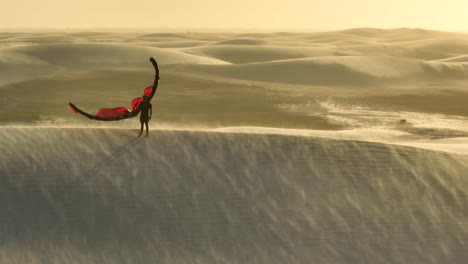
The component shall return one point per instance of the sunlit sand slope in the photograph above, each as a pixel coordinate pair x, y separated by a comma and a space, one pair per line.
105, 196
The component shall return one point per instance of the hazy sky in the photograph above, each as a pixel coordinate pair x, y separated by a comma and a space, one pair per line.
249, 14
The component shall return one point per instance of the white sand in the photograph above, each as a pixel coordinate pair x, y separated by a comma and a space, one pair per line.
108, 197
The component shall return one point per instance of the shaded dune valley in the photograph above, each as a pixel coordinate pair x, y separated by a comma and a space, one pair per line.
212, 197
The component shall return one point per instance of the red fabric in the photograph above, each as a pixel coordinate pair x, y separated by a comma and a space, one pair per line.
112, 112
148, 90
136, 103
73, 109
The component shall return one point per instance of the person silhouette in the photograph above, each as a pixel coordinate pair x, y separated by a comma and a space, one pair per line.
146, 110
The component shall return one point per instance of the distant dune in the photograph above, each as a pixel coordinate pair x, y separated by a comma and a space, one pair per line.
27, 62
220, 79
92, 49
338, 71
298, 71
163, 35
241, 41
391, 33
179, 43
460, 58
85, 55
254, 53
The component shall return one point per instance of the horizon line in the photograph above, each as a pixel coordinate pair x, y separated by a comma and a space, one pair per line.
213, 29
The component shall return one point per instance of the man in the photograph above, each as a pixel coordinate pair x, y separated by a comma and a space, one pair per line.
146, 110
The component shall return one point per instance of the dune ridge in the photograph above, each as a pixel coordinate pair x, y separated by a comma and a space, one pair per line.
356, 54
252, 53
337, 71
105, 54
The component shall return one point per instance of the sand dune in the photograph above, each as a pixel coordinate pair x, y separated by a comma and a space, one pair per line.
254, 35
458, 145
179, 43
391, 33
255, 53
349, 42
17, 72
106, 54
442, 46
406, 43
41, 38
298, 71
89, 34
337, 71
241, 41
31, 61
401, 43
321, 63
163, 35
180, 196
460, 58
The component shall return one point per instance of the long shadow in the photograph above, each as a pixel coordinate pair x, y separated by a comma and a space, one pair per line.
111, 157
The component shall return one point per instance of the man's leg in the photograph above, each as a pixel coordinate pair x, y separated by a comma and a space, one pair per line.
141, 129
146, 124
